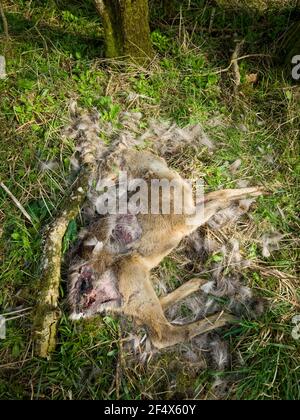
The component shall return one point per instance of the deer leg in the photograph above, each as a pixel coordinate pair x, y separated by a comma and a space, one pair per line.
175, 334
233, 194
141, 302
183, 291
218, 200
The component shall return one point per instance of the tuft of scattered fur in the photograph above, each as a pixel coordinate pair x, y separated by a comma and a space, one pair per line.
220, 388
85, 130
242, 183
167, 138
219, 353
270, 243
164, 138
235, 166
48, 165
231, 214
202, 244
227, 280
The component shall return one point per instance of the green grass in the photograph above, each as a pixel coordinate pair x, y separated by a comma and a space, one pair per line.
54, 54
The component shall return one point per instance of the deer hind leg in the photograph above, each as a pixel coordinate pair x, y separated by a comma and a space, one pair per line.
218, 200
175, 334
141, 302
183, 291
229, 195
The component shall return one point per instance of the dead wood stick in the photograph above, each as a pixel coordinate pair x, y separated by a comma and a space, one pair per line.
47, 312
4, 20
236, 69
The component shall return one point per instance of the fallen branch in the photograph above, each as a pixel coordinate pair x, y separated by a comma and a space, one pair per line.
4, 20
236, 69
48, 313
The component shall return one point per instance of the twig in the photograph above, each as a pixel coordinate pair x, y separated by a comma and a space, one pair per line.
238, 59
4, 20
17, 311
232, 62
47, 312
236, 69
17, 317
108, 85
17, 202
7, 365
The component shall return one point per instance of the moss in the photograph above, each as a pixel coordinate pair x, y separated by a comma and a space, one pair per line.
136, 31
126, 27
110, 13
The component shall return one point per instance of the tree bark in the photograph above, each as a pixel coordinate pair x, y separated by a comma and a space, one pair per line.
290, 45
126, 28
4, 20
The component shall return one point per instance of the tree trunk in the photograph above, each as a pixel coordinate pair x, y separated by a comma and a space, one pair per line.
4, 20
126, 28
291, 45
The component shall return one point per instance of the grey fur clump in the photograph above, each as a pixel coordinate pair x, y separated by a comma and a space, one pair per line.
2, 67
85, 131
168, 138
226, 276
226, 280
270, 242
162, 137
231, 214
